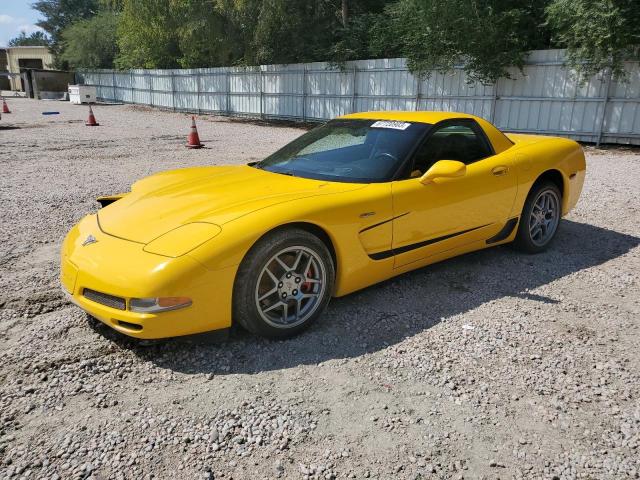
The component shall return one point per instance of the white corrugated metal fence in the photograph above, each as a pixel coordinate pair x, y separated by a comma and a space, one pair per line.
546, 98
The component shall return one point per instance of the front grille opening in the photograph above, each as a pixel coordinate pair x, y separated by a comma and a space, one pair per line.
105, 299
130, 326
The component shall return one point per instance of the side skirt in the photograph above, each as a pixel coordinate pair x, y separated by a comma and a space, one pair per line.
505, 232
413, 246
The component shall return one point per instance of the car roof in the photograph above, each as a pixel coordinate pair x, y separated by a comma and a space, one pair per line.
409, 116
499, 140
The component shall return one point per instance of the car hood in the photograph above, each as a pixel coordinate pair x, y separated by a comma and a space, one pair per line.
167, 200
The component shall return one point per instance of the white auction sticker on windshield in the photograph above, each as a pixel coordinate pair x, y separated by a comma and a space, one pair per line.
391, 124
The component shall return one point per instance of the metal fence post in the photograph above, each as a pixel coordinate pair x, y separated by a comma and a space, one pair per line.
304, 93
131, 83
173, 91
353, 89
113, 85
228, 93
198, 92
605, 100
148, 75
418, 91
494, 101
261, 93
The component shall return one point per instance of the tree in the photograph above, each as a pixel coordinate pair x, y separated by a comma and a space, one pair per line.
206, 37
344, 11
147, 35
484, 37
111, 5
37, 38
598, 35
361, 24
59, 14
185, 33
91, 43
243, 16
295, 31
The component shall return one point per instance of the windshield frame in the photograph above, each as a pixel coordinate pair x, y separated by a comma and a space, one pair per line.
393, 175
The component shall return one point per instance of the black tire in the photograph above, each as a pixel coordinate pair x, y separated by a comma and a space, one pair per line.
246, 291
524, 240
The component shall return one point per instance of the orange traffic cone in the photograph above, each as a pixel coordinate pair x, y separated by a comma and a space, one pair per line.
193, 141
92, 119
5, 107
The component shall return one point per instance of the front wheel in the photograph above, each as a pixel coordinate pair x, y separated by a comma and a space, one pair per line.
284, 284
540, 218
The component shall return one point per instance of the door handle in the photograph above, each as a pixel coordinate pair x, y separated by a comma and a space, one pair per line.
500, 170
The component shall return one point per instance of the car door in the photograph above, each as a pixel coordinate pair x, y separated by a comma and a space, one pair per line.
451, 212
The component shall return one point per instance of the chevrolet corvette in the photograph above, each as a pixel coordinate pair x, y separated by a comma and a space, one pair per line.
356, 201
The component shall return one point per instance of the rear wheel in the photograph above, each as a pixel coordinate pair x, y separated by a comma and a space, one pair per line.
284, 284
540, 218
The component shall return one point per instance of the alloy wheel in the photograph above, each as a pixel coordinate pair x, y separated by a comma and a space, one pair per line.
290, 287
544, 217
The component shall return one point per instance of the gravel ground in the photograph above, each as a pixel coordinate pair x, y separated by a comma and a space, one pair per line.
492, 365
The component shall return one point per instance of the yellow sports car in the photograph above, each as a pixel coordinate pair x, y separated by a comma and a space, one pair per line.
358, 200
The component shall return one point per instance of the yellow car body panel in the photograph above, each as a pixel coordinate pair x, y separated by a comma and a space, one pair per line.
122, 268
185, 232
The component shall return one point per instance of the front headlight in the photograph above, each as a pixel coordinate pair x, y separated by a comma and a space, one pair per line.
182, 240
158, 304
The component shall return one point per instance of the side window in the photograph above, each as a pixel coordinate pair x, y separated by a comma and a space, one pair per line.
452, 141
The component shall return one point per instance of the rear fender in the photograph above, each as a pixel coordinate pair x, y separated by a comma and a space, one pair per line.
560, 154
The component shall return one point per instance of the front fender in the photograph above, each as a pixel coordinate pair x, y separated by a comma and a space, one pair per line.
341, 216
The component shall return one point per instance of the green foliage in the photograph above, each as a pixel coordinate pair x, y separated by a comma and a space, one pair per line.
353, 41
205, 38
91, 43
485, 37
59, 14
294, 31
598, 34
176, 34
206, 33
243, 16
35, 39
111, 5
362, 35
148, 35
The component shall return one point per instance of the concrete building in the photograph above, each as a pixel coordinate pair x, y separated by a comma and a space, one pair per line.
20, 58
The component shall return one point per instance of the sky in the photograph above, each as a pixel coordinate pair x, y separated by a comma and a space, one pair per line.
15, 16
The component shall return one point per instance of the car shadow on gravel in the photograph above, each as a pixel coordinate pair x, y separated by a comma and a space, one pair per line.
387, 313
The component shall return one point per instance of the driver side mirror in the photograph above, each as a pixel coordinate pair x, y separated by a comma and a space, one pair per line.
444, 169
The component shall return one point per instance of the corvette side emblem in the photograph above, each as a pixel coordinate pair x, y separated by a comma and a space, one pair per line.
89, 240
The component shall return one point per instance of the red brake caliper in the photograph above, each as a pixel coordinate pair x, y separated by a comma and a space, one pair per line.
306, 286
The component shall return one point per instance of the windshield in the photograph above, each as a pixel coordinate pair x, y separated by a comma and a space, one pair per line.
359, 151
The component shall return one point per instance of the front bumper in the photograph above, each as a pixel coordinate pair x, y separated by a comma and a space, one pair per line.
122, 268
